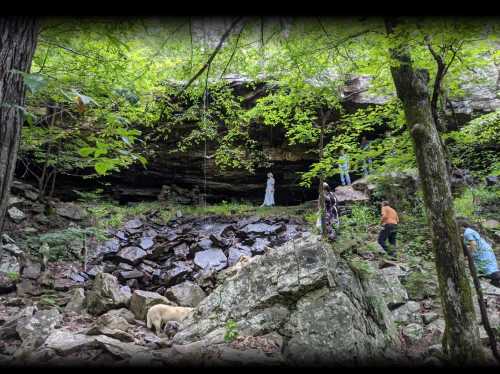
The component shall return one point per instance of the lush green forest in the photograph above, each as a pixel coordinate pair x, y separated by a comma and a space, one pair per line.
107, 90
133, 164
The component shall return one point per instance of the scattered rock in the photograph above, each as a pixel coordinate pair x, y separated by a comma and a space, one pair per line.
133, 274
408, 312
31, 195
179, 270
9, 328
386, 280
348, 194
181, 251
31, 270
13, 249
235, 253
71, 211
106, 294
33, 331
95, 270
77, 301
141, 301
28, 287
109, 248
14, 200
124, 350
435, 330
413, 333
146, 243
133, 224
186, 294
65, 342
210, 259
263, 229
131, 255
16, 215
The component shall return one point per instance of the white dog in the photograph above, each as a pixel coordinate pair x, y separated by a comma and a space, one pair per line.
161, 313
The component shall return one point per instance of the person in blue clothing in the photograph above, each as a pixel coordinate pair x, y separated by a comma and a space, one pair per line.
344, 168
482, 253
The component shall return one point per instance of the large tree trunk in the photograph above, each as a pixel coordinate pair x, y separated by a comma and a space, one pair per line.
461, 339
18, 38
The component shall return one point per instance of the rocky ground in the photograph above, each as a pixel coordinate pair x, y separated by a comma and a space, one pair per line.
297, 301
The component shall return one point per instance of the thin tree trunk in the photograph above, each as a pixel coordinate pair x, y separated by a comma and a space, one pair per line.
18, 37
322, 210
461, 338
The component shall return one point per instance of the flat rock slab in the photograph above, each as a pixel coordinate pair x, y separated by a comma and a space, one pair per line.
349, 194
146, 243
235, 253
65, 342
16, 215
71, 211
211, 259
132, 274
133, 224
132, 255
263, 229
178, 270
186, 294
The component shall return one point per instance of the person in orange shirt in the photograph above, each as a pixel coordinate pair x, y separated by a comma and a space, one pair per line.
390, 221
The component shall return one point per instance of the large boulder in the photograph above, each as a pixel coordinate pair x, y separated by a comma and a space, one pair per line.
113, 324
408, 313
16, 215
9, 327
304, 292
348, 195
71, 211
65, 342
186, 294
77, 302
387, 282
141, 301
106, 294
33, 331
10, 266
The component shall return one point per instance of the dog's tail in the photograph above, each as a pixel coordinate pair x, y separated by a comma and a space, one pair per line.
148, 321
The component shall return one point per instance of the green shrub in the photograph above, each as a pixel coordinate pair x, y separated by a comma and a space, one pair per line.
420, 285
13, 276
231, 331
362, 268
61, 242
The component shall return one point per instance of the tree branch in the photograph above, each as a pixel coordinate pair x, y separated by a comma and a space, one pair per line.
214, 53
234, 50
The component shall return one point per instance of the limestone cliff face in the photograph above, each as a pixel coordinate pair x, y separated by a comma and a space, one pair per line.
188, 170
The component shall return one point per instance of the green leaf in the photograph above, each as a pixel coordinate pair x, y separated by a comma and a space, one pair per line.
102, 167
33, 81
86, 151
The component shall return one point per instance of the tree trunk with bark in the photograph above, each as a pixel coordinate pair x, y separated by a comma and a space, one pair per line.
18, 37
461, 338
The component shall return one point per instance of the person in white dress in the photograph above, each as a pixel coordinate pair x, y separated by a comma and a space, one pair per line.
269, 198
